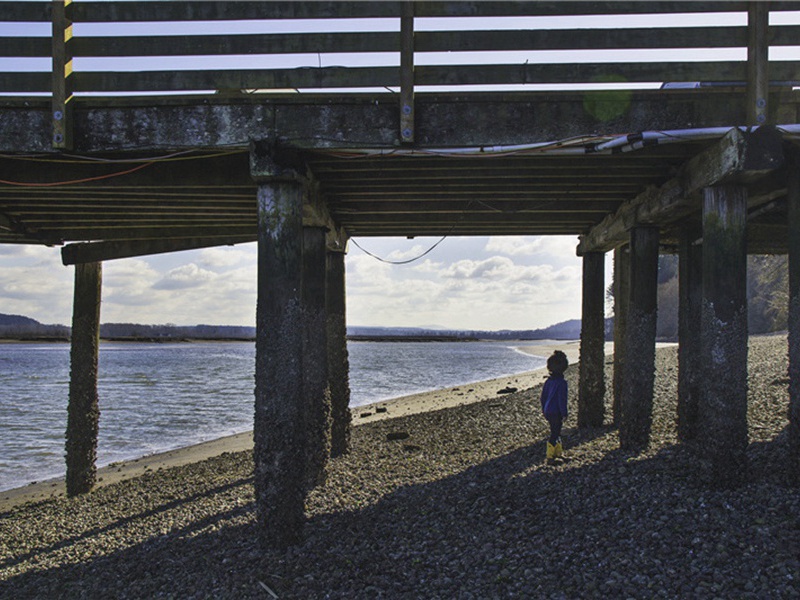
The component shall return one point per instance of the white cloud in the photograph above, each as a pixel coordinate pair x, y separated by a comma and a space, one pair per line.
187, 276
459, 285
493, 292
225, 256
516, 245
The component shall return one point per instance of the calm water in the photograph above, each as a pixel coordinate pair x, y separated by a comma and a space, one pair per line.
156, 397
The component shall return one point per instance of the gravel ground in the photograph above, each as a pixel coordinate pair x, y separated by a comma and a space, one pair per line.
464, 507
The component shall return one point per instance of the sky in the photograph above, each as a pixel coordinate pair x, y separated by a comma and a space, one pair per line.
485, 283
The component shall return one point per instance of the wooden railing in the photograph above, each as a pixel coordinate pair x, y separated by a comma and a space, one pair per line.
407, 55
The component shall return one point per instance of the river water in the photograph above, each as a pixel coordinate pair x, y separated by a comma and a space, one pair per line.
157, 397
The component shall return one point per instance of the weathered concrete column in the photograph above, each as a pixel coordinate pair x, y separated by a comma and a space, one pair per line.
640, 341
723, 402
622, 286
83, 412
280, 411
690, 361
315, 356
592, 383
338, 358
793, 208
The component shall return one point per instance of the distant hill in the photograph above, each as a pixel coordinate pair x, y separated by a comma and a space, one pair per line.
567, 330
21, 327
16, 321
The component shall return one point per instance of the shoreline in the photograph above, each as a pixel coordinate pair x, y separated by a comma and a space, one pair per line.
401, 406
447, 504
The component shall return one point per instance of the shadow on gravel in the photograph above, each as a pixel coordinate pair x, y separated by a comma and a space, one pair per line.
510, 527
120, 524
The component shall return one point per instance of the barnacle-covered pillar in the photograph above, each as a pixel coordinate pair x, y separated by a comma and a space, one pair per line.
690, 281
338, 358
622, 286
794, 310
723, 402
640, 341
280, 441
315, 355
592, 384
83, 412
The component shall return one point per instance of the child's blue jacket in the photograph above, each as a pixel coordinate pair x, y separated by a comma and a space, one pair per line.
554, 395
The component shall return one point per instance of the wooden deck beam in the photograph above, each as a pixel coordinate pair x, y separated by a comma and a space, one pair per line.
738, 157
73, 254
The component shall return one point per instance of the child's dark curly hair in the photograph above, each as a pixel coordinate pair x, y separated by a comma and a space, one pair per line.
557, 363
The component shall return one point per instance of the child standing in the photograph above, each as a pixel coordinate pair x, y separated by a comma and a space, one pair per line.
554, 402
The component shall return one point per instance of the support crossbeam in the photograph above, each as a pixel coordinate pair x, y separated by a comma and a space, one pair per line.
737, 158
73, 254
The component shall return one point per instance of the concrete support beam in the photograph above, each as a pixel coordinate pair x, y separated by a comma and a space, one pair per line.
723, 407
83, 412
690, 281
640, 341
592, 384
338, 359
280, 410
794, 311
315, 356
622, 287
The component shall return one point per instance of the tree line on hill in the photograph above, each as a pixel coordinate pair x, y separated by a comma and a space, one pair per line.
767, 295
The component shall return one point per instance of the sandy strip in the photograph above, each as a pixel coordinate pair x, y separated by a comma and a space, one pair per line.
396, 407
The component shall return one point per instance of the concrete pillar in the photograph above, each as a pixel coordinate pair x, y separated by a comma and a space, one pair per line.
83, 412
315, 356
640, 341
592, 383
280, 411
338, 359
793, 172
723, 403
690, 362
622, 286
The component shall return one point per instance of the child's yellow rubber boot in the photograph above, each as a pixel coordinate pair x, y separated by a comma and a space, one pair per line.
551, 451
558, 450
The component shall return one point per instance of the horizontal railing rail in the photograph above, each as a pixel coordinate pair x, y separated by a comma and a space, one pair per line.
176, 47
491, 51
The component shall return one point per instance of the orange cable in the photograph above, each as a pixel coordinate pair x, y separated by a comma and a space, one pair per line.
88, 179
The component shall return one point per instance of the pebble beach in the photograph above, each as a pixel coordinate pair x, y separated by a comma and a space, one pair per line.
453, 502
